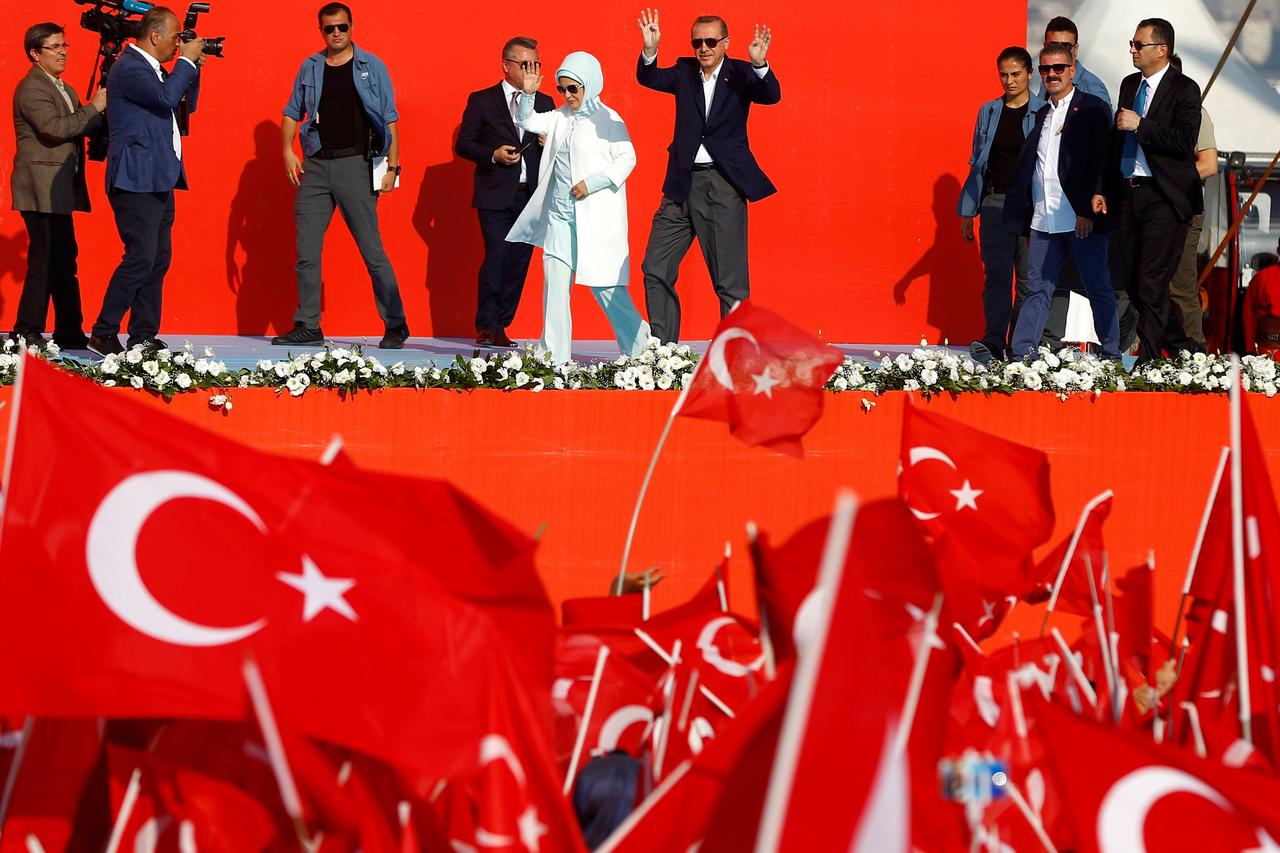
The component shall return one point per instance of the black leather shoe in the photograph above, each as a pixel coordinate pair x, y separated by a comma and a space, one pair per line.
485, 338
500, 339
71, 340
301, 336
105, 345
394, 338
148, 343
27, 338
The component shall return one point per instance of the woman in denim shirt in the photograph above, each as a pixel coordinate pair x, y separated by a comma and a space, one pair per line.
1001, 127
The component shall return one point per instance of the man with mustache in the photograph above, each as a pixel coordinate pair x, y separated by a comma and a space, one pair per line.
1058, 172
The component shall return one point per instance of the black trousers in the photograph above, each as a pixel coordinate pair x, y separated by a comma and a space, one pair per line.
716, 214
51, 275
505, 266
144, 222
1152, 238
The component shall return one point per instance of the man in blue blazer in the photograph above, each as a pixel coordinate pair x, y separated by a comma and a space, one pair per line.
144, 166
1059, 172
711, 172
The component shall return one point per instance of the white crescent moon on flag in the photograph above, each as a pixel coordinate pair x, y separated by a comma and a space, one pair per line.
111, 555
1122, 817
715, 353
618, 722
923, 453
711, 652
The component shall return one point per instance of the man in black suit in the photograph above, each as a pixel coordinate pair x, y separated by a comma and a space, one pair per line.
1151, 173
1051, 200
507, 161
711, 172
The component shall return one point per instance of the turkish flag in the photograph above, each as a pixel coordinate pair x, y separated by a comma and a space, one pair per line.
180, 808
1126, 793
764, 377
56, 793
178, 551
1088, 557
985, 497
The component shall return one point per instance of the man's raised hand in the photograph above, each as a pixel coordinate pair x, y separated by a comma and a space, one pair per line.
648, 22
759, 46
532, 76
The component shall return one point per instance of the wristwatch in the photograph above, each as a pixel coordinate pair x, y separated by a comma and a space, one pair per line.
395, 170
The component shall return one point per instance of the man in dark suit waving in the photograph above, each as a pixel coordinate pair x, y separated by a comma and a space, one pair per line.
1151, 173
1051, 200
144, 167
507, 161
711, 172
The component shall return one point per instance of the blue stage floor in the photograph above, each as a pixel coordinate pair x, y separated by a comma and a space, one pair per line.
240, 352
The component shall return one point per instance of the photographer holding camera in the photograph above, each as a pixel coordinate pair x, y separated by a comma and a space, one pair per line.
144, 166
48, 184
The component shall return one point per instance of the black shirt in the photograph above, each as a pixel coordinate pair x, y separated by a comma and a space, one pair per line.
339, 117
1004, 147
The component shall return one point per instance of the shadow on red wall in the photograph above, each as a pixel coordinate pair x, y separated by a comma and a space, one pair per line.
261, 228
953, 269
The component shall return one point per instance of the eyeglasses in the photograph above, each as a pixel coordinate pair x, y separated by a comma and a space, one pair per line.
1056, 68
710, 43
330, 29
570, 89
55, 47
1139, 45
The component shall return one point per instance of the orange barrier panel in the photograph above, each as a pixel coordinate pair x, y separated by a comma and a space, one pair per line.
868, 149
574, 461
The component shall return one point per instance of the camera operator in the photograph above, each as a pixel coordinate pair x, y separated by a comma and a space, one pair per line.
144, 166
47, 184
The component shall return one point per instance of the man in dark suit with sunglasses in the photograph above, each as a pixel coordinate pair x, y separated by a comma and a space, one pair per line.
507, 161
711, 172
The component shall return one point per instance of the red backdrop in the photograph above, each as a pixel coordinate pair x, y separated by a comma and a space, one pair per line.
868, 149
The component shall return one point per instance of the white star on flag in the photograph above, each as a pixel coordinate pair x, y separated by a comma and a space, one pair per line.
319, 592
966, 496
530, 828
765, 382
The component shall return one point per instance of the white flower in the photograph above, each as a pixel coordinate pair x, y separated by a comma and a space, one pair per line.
886, 362
502, 374
217, 368
366, 372
513, 362
110, 364
435, 373
1184, 378
910, 385
151, 368
344, 377
297, 384
840, 383
264, 364
522, 378
134, 356
183, 381
1200, 358
282, 369
217, 400
1052, 360
619, 380
664, 381
928, 377
479, 366
135, 381
202, 366
245, 382
110, 383
903, 362
1153, 375
162, 379
398, 369
663, 351
208, 352
1032, 381
537, 385
646, 382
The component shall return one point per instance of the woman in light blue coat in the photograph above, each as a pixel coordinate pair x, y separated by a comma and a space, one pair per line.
1001, 127
578, 213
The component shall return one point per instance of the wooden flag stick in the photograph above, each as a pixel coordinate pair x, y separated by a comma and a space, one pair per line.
1036, 825
644, 599
918, 669
275, 749
1195, 549
33, 844
720, 590
19, 753
126, 810
581, 739
668, 700
1104, 641
1074, 666
766, 638
1071, 550
1237, 556
1193, 718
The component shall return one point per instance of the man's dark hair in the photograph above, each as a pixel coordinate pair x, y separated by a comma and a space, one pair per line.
1016, 53
1161, 30
519, 41
34, 39
1062, 25
153, 21
1057, 50
713, 19
329, 9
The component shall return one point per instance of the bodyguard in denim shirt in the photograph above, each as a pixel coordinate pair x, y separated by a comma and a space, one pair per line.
346, 97
997, 138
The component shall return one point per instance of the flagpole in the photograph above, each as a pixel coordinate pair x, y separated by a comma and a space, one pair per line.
665, 735
1071, 550
1237, 555
275, 749
766, 638
1193, 716
19, 753
1195, 549
805, 680
724, 594
581, 739
1036, 825
918, 669
1104, 642
644, 486
1074, 665
126, 810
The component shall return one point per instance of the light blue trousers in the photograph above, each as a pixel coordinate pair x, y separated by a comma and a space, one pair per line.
630, 329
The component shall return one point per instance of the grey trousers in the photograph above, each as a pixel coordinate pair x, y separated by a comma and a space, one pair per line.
716, 214
1184, 290
343, 183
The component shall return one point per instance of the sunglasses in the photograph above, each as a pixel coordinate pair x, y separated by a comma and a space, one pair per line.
1056, 68
710, 43
570, 89
1139, 45
330, 29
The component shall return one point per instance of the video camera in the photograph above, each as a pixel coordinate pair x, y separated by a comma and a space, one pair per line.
113, 22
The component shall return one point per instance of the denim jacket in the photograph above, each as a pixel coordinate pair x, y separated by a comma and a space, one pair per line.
984, 133
373, 85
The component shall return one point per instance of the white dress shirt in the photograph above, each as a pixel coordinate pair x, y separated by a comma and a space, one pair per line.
703, 157
61, 87
1141, 168
1053, 211
507, 92
155, 65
